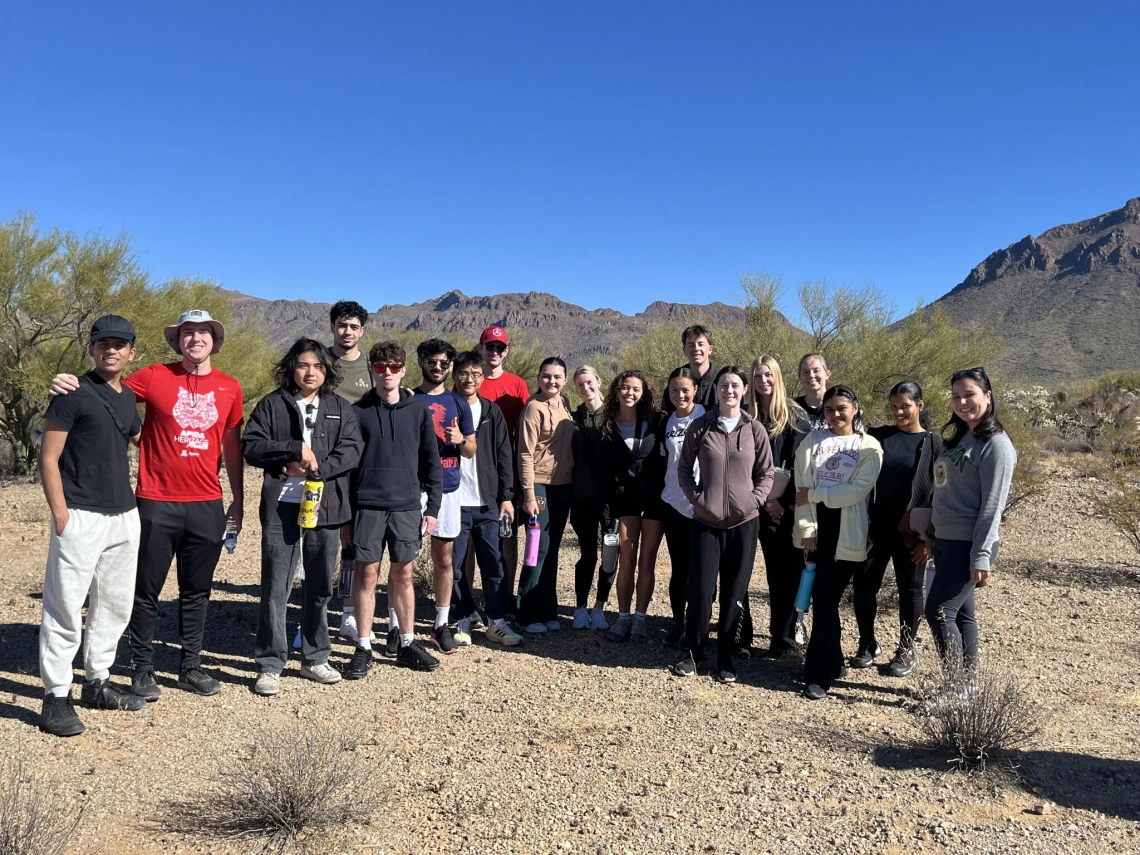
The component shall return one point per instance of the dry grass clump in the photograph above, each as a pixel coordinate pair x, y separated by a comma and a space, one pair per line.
293, 782
36, 818
975, 716
1119, 503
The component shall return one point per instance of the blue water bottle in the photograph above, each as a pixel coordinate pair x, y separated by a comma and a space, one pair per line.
803, 595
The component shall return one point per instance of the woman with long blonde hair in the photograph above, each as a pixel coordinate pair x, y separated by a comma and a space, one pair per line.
786, 423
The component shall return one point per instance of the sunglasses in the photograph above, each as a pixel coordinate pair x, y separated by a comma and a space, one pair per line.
966, 372
388, 367
495, 347
437, 363
469, 375
310, 423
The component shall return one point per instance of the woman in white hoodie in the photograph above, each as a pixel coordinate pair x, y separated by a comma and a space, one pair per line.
836, 469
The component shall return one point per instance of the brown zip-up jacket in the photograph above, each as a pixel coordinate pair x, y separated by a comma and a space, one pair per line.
736, 470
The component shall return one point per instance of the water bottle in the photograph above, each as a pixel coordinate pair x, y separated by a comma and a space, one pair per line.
609, 553
506, 526
347, 565
930, 571
309, 510
803, 595
533, 537
230, 540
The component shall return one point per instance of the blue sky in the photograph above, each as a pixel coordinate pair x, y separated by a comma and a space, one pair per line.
612, 153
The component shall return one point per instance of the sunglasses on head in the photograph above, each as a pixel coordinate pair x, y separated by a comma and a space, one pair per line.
309, 420
495, 347
966, 372
388, 367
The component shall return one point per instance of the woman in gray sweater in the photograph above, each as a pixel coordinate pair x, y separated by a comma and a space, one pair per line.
971, 483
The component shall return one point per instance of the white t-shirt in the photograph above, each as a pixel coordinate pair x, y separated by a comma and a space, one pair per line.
293, 488
835, 458
469, 495
674, 438
728, 425
627, 432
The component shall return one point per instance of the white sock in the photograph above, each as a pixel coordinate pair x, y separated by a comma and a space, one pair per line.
348, 610
623, 615
441, 614
393, 621
407, 638
364, 643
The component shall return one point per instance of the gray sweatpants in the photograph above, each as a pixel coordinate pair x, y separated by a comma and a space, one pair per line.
96, 557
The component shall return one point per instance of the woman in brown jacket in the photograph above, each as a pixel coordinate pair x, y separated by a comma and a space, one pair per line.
735, 469
546, 472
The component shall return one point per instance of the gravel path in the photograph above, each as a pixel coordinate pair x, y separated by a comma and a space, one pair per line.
573, 744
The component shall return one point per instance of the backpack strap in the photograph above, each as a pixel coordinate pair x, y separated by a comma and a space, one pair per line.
92, 387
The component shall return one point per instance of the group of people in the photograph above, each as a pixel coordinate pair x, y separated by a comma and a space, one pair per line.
722, 462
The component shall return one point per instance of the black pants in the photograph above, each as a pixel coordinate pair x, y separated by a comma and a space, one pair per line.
908, 576
726, 554
824, 659
479, 527
281, 541
950, 605
589, 519
538, 586
191, 533
783, 564
679, 539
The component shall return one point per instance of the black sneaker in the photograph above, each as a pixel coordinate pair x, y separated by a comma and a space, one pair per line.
687, 667
144, 685
360, 664
414, 656
392, 647
105, 695
443, 640
903, 662
865, 658
674, 636
58, 716
198, 681
479, 620
726, 674
815, 692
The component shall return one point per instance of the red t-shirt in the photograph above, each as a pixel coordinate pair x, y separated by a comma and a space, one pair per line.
510, 393
181, 444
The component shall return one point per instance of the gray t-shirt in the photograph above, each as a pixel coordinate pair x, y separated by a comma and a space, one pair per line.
356, 378
971, 484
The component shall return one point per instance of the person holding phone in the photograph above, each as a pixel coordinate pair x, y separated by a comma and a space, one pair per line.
836, 470
971, 485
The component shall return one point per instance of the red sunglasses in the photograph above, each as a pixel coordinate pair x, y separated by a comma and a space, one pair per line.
388, 367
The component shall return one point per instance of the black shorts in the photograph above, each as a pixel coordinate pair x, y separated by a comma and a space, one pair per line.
398, 530
654, 509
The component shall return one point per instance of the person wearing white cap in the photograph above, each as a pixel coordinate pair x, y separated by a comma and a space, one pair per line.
192, 419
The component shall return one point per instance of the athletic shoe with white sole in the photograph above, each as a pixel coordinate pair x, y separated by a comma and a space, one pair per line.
321, 672
581, 618
462, 634
553, 626
621, 630
501, 633
598, 618
535, 628
639, 633
267, 684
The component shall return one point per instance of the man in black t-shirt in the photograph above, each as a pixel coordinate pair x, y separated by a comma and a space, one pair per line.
94, 537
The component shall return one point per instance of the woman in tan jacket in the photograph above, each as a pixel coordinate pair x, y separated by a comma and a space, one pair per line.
546, 471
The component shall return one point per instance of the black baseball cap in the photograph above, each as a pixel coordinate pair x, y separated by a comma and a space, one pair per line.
112, 326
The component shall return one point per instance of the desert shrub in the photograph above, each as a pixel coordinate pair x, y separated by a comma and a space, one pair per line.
423, 573
1119, 503
293, 780
36, 817
1029, 473
975, 716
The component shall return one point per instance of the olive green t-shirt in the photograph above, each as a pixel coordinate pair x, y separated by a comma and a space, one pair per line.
356, 378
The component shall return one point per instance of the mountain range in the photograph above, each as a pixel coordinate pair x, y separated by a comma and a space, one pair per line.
1066, 303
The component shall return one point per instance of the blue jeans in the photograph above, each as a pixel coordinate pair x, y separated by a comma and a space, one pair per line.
950, 605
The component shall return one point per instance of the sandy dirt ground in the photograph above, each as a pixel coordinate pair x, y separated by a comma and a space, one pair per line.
574, 744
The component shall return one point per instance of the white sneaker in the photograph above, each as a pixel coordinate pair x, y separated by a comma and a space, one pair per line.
348, 629
267, 684
553, 626
801, 630
581, 618
462, 634
598, 618
536, 628
501, 633
322, 672
297, 640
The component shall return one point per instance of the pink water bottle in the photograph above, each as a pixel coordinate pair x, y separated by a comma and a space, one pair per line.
533, 536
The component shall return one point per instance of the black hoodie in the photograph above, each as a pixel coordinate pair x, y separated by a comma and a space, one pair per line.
400, 457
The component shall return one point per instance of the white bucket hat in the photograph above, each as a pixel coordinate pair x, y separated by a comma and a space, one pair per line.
196, 316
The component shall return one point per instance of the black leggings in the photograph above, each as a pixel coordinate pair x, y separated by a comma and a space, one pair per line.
589, 518
679, 539
727, 553
950, 606
823, 662
783, 564
869, 579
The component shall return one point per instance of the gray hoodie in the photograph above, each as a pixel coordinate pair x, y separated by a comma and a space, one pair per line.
971, 484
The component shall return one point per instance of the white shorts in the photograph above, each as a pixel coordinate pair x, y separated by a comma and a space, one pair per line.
448, 522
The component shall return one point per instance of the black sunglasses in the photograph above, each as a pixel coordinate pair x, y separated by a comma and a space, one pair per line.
495, 347
309, 421
966, 372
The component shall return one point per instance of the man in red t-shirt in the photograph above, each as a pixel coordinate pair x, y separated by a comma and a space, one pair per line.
193, 417
510, 393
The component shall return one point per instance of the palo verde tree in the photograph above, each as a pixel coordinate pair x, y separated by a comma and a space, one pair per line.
52, 288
